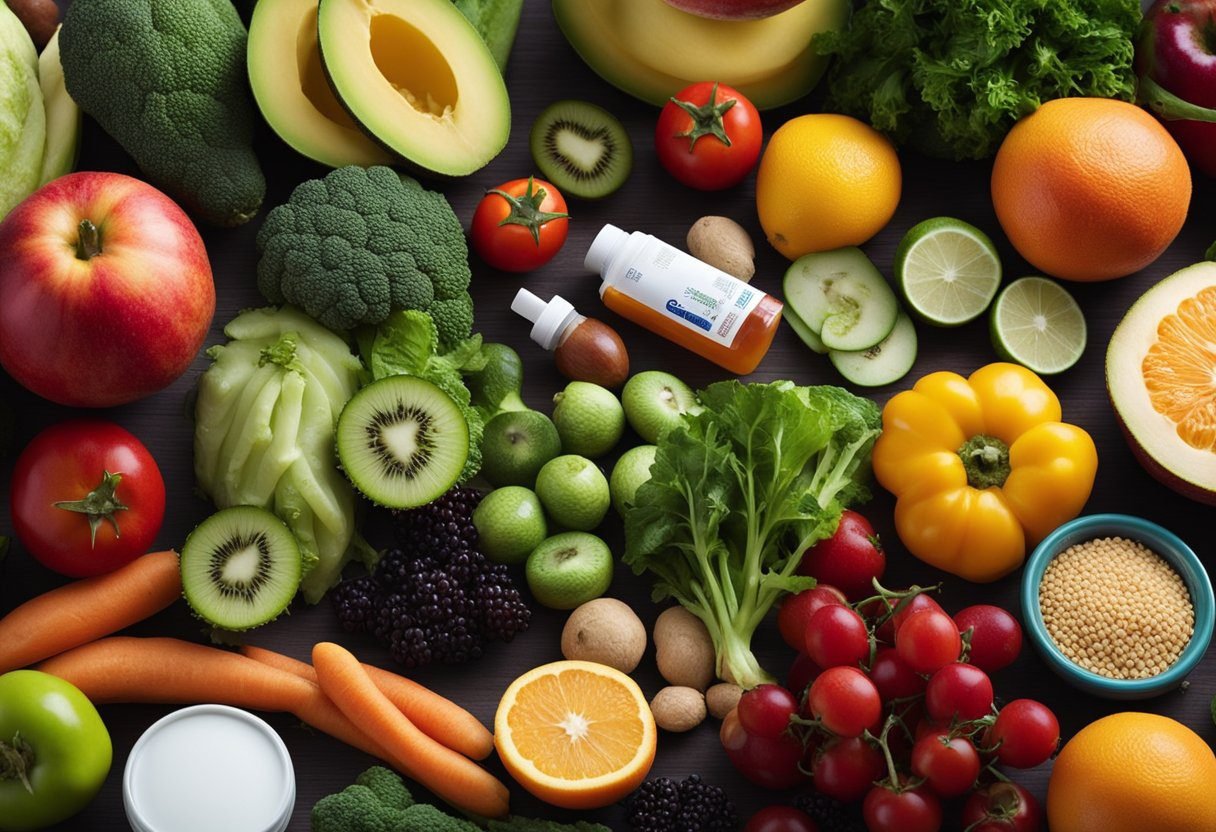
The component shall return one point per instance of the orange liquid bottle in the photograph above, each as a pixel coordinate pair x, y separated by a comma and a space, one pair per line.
688, 302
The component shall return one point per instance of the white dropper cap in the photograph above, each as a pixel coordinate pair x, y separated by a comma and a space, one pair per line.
549, 320
603, 247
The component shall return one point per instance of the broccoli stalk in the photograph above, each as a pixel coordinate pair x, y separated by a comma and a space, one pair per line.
763, 466
264, 434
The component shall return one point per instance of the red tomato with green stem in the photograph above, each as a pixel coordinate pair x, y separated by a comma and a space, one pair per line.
1002, 807
708, 136
851, 559
520, 225
86, 498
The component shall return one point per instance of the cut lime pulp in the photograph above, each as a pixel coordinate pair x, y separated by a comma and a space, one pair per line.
1036, 323
948, 271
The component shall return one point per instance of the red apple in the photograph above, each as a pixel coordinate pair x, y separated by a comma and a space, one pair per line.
105, 290
1177, 61
734, 9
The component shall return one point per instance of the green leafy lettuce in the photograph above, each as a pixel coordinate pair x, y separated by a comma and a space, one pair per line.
737, 493
952, 76
407, 343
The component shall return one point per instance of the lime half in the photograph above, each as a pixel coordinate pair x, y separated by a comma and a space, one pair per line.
1036, 323
948, 271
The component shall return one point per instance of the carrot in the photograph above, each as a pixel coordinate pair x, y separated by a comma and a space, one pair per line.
85, 610
439, 718
167, 671
450, 775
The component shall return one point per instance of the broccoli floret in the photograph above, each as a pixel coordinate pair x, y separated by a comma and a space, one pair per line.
422, 817
387, 786
362, 242
356, 809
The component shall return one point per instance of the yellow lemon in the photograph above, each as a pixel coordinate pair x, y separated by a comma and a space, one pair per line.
826, 181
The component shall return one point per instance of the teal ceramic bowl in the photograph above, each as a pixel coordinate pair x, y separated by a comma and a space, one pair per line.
1165, 543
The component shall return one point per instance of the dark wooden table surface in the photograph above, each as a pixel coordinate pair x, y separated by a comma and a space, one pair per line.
543, 68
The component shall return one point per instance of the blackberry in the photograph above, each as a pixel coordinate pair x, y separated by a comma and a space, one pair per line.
830, 815
434, 597
692, 805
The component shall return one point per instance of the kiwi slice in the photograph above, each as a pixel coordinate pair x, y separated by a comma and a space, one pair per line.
581, 148
402, 441
240, 568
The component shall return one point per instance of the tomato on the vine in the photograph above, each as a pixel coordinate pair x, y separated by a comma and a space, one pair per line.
996, 636
86, 498
927, 640
852, 558
771, 763
1026, 733
780, 819
844, 768
836, 636
958, 691
708, 136
845, 701
887, 809
1002, 807
796, 611
765, 710
520, 225
892, 676
948, 765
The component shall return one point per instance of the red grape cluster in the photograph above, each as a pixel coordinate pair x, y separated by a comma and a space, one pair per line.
890, 703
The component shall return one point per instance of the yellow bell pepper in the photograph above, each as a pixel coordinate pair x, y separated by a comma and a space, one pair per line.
981, 467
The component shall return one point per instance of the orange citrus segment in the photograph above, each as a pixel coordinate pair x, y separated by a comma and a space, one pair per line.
1180, 370
576, 734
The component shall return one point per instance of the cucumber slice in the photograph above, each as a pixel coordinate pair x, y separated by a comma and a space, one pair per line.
887, 361
842, 298
812, 340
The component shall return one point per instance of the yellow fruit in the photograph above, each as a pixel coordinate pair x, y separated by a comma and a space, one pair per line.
1133, 772
575, 734
826, 181
1090, 188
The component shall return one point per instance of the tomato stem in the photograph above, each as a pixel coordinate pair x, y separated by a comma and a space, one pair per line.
986, 461
88, 240
99, 504
16, 761
706, 119
525, 209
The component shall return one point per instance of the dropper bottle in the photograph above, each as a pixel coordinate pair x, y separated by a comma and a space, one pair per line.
584, 349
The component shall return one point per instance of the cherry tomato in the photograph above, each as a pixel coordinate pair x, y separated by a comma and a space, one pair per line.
765, 710
850, 559
949, 766
768, 763
892, 676
1002, 807
845, 767
958, 691
796, 611
836, 636
802, 672
708, 136
905, 810
1027, 732
780, 819
520, 225
927, 640
996, 636
86, 498
846, 701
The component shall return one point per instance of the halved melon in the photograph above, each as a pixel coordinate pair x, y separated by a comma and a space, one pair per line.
292, 92
1161, 375
418, 78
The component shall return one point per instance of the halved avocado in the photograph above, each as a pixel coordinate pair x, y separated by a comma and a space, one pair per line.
63, 117
418, 78
1161, 375
653, 50
292, 92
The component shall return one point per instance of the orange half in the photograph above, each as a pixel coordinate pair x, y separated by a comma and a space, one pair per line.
579, 735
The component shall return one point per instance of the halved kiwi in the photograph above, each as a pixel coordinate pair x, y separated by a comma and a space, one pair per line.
240, 568
581, 148
402, 441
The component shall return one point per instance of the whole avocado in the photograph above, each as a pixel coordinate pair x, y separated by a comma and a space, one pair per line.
166, 79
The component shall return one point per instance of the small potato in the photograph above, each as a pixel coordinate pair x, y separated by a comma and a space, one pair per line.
723, 243
39, 17
678, 709
684, 651
722, 698
606, 631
